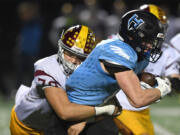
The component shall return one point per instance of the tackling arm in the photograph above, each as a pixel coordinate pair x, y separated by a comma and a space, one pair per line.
66, 110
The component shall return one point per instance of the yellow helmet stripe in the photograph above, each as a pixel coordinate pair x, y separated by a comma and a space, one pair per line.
82, 37
158, 13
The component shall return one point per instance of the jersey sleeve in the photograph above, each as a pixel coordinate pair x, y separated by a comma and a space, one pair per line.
119, 55
43, 77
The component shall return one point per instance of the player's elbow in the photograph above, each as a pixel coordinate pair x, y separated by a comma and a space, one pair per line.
137, 103
65, 116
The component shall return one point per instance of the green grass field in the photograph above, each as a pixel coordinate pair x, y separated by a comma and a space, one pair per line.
165, 116
5, 110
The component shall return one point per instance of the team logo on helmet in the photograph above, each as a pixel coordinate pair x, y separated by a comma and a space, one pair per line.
134, 22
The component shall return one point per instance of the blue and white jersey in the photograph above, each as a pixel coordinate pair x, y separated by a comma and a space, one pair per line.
89, 84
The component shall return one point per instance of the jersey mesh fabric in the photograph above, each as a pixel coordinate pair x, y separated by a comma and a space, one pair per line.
89, 84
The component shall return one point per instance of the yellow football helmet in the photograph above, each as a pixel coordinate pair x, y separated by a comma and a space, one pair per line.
155, 10
79, 40
158, 12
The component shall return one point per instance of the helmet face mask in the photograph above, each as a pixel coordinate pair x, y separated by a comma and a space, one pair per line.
68, 66
79, 41
161, 16
139, 28
155, 52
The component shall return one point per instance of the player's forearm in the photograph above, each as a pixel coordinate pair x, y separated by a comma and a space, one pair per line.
130, 84
145, 97
73, 112
66, 110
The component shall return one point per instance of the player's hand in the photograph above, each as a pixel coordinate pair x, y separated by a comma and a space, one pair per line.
76, 129
164, 86
111, 110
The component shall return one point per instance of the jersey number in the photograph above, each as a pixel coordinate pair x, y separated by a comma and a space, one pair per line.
50, 83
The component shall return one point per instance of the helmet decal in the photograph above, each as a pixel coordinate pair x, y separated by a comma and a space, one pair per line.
134, 22
120, 52
141, 29
82, 34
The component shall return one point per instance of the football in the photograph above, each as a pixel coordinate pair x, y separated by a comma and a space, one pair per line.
148, 78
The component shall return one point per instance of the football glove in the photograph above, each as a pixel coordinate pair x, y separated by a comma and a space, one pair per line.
107, 109
164, 85
145, 85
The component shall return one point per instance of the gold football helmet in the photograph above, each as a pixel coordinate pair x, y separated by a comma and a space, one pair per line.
78, 40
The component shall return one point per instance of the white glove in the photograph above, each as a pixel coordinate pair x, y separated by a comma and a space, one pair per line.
164, 86
107, 109
145, 85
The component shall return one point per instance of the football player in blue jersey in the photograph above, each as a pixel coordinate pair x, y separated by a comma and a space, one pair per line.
114, 63
142, 124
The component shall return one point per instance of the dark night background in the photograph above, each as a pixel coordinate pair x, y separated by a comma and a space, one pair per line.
10, 25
